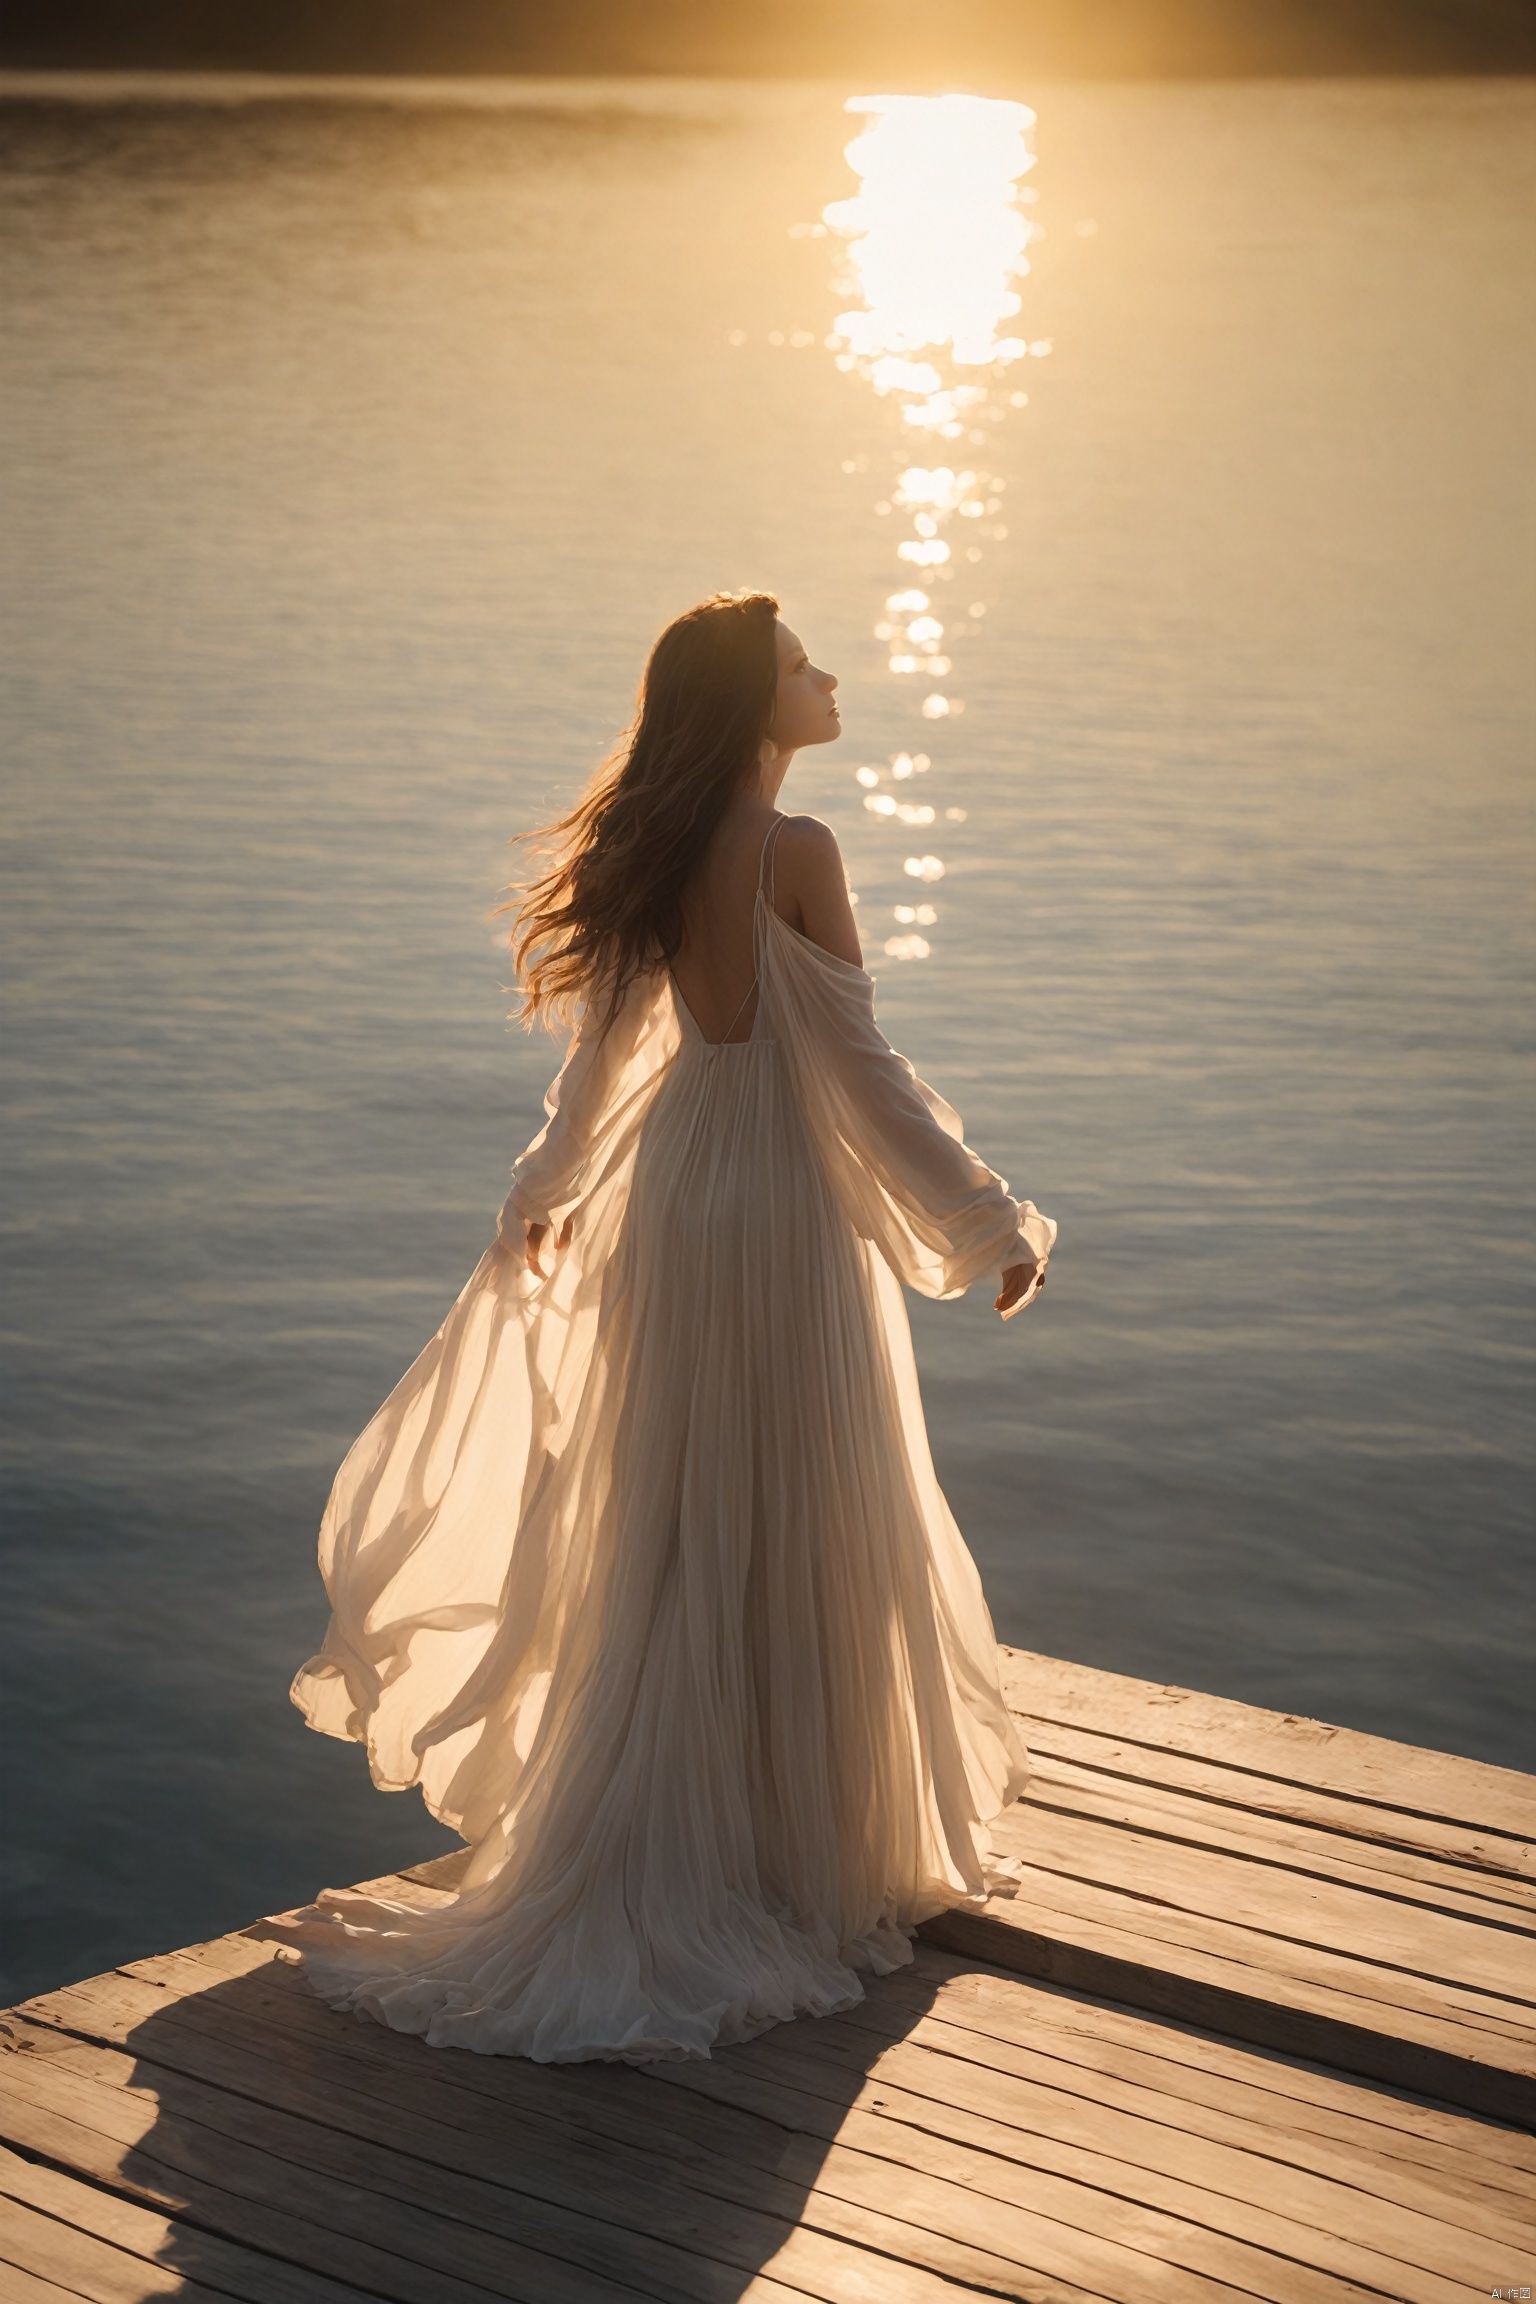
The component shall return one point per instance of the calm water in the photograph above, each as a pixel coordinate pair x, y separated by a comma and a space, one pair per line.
356, 450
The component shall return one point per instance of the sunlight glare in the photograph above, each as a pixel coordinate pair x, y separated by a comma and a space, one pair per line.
933, 244
935, 234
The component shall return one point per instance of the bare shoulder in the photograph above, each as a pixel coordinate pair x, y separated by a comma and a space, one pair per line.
811, 887
808, 848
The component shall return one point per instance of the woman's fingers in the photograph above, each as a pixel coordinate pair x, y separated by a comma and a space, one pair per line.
1017, 1282
536, 1234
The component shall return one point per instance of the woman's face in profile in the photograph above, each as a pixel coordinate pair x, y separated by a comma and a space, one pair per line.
804, 711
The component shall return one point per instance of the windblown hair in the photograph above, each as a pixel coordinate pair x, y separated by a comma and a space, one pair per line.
611, 907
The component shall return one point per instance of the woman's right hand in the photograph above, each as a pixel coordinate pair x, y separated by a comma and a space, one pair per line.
1017, 1281
536, 1234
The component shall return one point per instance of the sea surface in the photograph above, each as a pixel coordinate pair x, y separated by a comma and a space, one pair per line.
357, 442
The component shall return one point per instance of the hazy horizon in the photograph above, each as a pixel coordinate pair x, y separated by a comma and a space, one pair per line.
910, 42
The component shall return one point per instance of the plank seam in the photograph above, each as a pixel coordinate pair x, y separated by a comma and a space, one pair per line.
131, 2254
805, 2083
704, 2253
1188, 1839
135, 2198
1276, 1936
1441, 2073
1269, 1776
1278, 2154
1057, 2044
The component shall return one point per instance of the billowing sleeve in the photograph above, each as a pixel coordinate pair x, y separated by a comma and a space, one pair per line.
582, 1107
894, 1150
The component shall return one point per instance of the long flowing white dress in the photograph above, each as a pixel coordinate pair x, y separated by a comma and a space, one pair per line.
642, 1572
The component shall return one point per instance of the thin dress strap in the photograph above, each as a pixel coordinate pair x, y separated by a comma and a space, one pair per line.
765, 862
764, 903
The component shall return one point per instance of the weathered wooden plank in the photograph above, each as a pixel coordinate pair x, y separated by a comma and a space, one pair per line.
1074, 1788
1187, 1969
1122, 2247
1092, 2187
1083, 2027
828, 2209
18, 2287
1390, 1837
1408, 1777
1108, 2245
867, 2206
1350, 2155
115, 2252
1311, 2109
672, 2244
146, 2124
1254, 2244
983, 2244
852, 2174
1024, 2089
1274, 2146
849, 2174
1210, 1874
1248, 1940
236, 2101
1272, 1898
892, 2011
1260, 2255
879, 2155
1467, 2022
127, 2139
1509, 2153
594, 2099
1327, 2006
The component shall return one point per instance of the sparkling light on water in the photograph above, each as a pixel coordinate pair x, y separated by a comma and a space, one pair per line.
935, 240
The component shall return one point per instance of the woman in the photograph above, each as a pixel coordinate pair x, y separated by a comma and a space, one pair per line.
642, 1572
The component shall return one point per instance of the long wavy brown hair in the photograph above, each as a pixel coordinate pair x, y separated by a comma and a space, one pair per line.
610, 907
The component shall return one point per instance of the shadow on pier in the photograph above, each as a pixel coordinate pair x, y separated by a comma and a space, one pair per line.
1258, 2024
234, 2117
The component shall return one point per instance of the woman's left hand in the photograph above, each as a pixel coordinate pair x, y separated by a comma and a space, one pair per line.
1017, 1281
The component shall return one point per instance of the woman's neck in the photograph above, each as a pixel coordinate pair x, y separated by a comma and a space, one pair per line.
769, 776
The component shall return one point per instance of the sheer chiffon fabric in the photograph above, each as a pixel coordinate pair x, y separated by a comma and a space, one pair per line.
642, 1572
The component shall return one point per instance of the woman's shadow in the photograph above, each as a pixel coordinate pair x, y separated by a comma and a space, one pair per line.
260, 2123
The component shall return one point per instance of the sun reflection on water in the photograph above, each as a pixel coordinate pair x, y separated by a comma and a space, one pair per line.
935, 239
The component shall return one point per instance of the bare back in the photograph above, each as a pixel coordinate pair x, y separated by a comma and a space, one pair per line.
715, 970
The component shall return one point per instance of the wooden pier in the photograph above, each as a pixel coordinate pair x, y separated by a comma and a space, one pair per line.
1260, 2023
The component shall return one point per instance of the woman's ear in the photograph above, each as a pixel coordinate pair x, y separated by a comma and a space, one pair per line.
767, 752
